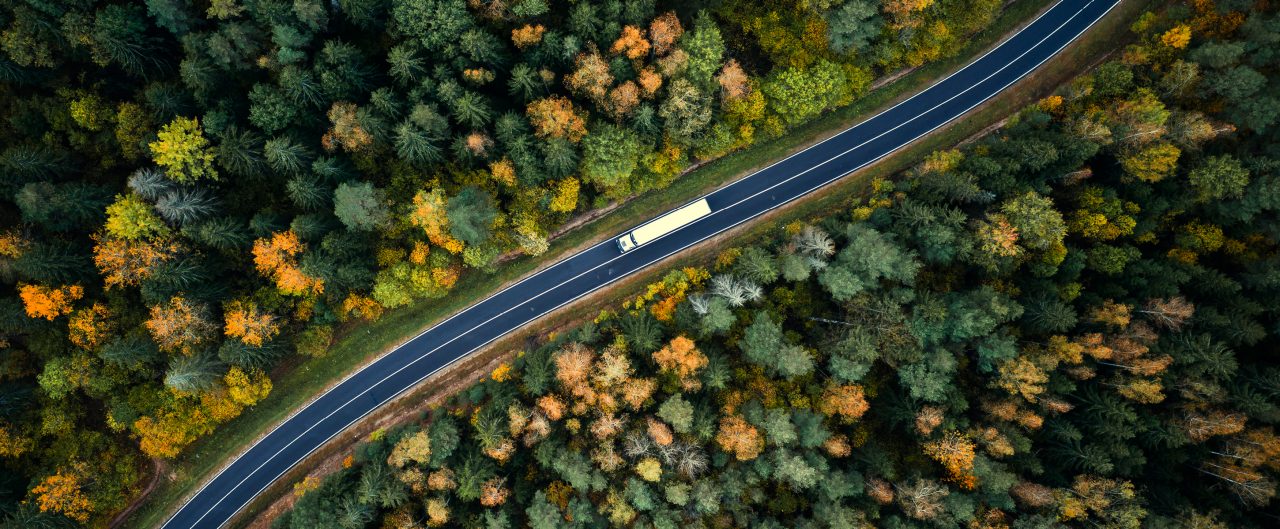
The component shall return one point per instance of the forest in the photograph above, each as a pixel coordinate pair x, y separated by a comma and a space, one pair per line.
194, 195
1066, 324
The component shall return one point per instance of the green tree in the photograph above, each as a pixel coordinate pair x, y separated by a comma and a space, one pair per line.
610, 154
797, 95
1039, 225
869, 258
360, 206
471, 213
853, 27
435, 24
706, 50
1219, 177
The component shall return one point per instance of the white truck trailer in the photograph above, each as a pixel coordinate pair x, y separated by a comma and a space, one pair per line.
663, 225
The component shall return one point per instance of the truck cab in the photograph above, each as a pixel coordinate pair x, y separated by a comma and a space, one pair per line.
626, 242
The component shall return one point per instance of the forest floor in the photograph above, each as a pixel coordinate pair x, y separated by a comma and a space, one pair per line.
301, 381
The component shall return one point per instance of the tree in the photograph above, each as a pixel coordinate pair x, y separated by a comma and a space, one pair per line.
360, 206
555, 117
796, 95
853, 27
704, 44
610, 155
471, 213
762, 343
686, 112
1039, 225
183, 151
435, 24
252, 325
192, 374
185, 206
63, 492
48, 302
179, 325
1219, 177
869, 257
130, 218
678, 412
740, 438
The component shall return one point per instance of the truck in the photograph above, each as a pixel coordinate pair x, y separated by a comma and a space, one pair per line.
663, 225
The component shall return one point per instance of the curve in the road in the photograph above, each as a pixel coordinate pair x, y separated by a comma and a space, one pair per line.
585, 272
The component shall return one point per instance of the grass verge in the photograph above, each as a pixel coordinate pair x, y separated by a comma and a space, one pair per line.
298, 383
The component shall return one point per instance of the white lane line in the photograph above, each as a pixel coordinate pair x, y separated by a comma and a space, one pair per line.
673, 252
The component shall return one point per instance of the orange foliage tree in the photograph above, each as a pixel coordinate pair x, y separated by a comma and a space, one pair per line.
244, 320
681, 358
48, 302
527, 35
955, 451
277, 257
88, 327
63, 493
127, 262
664, 31
739, 438
846, 402
555, 117
631, 43
179, 325
428, 213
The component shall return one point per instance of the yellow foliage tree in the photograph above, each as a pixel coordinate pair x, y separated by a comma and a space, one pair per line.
247, 389
955, 451
565, 199
428, 212
88, 327
1152, 164
1177, 37
183, 151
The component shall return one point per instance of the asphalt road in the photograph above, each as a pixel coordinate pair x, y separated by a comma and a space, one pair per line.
593, 268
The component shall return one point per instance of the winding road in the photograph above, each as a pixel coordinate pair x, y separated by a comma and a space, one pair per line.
576, 276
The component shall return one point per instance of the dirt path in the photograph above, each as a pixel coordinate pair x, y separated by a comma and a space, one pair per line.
158, 469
